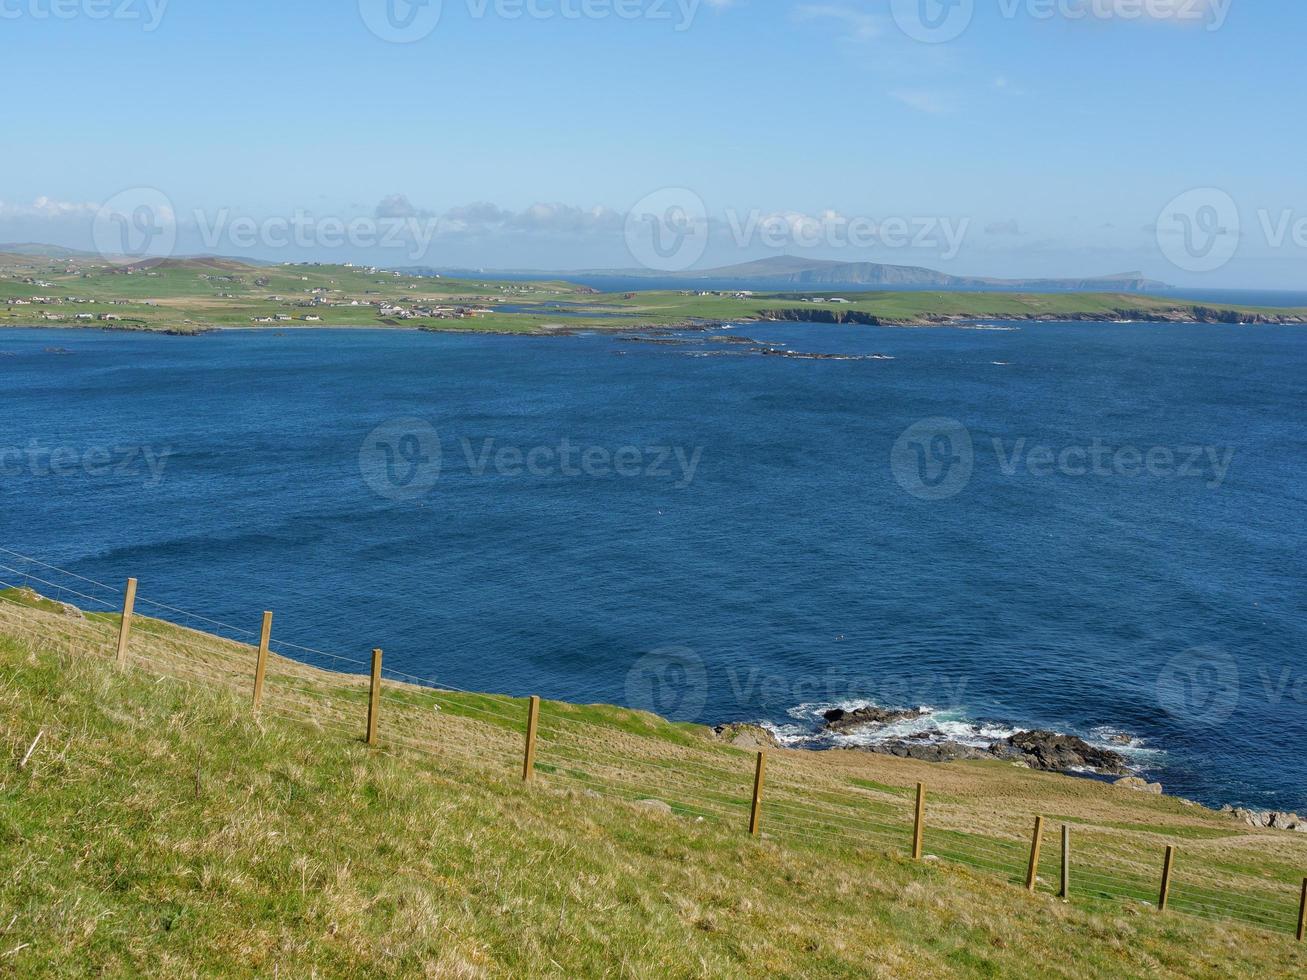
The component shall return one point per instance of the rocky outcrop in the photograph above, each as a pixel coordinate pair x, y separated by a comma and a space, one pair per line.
1044, 750
841, 721
1269, 819
1140, 785
924, 751
745, 736
1177, 314
1054, 752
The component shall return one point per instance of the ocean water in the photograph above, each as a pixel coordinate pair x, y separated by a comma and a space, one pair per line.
1093, 528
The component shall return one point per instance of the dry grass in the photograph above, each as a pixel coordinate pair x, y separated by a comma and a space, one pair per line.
162, 827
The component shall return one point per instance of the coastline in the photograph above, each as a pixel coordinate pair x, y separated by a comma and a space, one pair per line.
1204, 317
1111, 760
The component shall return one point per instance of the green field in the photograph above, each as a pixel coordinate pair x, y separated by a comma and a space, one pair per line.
196, 295
154, 824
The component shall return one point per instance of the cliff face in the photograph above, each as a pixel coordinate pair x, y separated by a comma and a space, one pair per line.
1180, 314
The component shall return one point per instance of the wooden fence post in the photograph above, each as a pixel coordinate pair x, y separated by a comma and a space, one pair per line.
1032, 874
374, 698
919, 822
125, 630
532, 722
755, 813
1302, 913
261, 665
1065, 890
1167, 867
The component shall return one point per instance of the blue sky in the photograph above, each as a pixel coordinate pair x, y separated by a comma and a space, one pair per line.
1055, 141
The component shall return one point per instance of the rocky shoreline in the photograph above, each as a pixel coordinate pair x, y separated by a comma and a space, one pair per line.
1045, 751
1179, 314
1039, 750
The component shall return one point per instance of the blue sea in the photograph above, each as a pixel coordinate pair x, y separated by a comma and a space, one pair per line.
1093, 528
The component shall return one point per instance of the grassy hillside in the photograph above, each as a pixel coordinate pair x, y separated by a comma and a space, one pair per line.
160, 827
193, 295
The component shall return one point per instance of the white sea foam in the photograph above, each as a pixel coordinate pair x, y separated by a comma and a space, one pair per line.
934, 726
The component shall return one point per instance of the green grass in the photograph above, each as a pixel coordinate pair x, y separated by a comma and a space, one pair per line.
190, 296
161, 828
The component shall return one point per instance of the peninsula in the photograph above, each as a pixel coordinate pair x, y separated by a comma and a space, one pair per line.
196, 295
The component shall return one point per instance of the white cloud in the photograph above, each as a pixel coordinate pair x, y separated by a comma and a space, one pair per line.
47, 208
483, 217
861, 26
935, 103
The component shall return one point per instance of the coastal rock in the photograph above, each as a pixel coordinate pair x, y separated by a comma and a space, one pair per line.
1253, 818
1268, 819
927, 751
1177, 314
746, 736
1053, 752
1141, 785
839, 720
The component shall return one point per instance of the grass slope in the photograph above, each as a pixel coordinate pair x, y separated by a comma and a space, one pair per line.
161, 828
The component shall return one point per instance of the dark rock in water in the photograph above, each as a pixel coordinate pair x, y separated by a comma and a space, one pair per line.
745, 736
1058, 753
839, 720
928, 751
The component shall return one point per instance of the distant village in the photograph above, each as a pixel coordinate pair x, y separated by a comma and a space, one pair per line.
749, 294
313, 303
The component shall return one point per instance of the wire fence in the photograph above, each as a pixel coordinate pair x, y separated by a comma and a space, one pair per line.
1235, 875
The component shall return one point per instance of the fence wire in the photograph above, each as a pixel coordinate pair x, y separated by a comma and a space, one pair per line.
706, 782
